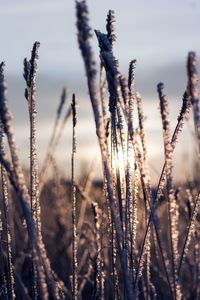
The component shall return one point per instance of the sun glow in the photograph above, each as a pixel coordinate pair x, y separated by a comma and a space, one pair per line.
122, 159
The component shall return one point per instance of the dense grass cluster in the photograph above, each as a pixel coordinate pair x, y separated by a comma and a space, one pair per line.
126, 239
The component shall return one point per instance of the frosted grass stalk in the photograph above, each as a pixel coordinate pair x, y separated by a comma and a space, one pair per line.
129, 237
34, 237
84, 35
150, 285
103, 84
134, 220
113, 245
96, 212
183, 113
190, 232
2, 271
74, 230
141, 163
111, 36
117, 123
131, 196
141, 126
173, 222
111, 28
17, 169
30, 68
145, 180
6, 228
193, 92
131, 82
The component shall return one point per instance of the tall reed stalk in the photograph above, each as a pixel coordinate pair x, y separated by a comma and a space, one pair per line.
74, 230
30, 68
6, 234
172, 207
84, 35
43, 264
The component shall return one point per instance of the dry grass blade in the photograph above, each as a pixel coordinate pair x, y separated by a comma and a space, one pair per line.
35, 239
172, 207
84, 35
30, 68
190, 232
6, 235
193, 91
74, 234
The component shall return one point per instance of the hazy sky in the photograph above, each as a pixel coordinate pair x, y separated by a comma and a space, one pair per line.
157, 33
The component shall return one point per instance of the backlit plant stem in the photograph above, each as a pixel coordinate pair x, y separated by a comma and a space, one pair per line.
74, 234
84, 35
